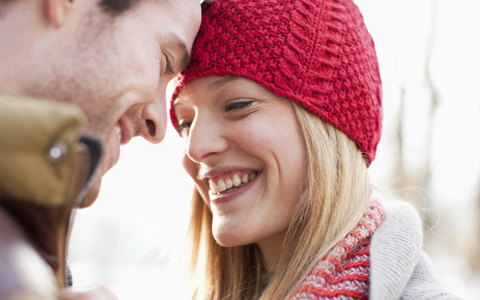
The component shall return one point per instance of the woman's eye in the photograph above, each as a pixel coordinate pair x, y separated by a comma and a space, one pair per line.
237, 105
184, 126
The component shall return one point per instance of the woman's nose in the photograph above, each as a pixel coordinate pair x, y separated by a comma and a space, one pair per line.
205, 139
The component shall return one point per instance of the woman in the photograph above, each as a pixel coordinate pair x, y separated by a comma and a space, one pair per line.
281, 113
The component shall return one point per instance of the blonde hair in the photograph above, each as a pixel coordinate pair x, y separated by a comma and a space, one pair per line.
336, 194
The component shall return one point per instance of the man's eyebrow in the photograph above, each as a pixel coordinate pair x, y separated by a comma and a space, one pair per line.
179, 46
221, 82
185, 60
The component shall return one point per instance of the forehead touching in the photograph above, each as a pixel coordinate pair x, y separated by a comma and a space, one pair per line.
174, 23
181, 21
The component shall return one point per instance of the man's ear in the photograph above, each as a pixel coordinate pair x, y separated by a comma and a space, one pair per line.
58, 10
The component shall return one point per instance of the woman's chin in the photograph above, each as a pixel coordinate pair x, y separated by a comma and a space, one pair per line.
230, 240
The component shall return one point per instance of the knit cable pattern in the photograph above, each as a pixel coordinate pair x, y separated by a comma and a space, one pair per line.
315, 52
344, 272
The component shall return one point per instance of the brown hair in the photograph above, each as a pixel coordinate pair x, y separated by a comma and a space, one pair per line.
333, 201
117, 7
112, 7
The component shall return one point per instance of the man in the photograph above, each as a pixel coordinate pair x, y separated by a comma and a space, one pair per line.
110, 58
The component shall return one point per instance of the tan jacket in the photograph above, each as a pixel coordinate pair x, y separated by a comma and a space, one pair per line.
43, 166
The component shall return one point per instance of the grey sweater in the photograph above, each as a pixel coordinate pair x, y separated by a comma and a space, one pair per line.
399, 269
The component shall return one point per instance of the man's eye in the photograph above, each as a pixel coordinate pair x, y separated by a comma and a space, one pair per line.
237, 105
168, 67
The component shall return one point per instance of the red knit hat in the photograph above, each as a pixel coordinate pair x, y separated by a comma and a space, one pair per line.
315, 52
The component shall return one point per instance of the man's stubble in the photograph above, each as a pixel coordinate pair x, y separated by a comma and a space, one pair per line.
81, 74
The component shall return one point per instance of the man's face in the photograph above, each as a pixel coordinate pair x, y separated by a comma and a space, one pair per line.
117, 68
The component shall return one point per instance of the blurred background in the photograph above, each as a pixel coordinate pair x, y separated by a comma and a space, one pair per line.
429, 54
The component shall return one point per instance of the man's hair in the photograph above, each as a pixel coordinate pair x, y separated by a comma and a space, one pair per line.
116, 7
112, 7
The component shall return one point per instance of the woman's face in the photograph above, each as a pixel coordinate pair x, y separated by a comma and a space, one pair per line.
245, 150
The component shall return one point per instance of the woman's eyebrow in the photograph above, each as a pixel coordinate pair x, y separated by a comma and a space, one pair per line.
221, 82
210, 87
182, 101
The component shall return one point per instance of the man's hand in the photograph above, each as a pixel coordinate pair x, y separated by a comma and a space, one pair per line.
98, 293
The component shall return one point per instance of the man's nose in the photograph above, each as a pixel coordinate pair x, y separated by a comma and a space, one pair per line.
154, 116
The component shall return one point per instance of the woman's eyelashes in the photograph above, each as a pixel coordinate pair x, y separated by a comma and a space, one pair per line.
184, 126
235, 105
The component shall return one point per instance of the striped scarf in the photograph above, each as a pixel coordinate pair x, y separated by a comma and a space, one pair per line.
344, 272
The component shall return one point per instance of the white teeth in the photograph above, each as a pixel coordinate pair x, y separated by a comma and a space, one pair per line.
213, 186
118, 131
236, 180
227, 183
221, 186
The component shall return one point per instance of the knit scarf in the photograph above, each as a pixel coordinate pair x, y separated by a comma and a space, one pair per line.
344, 272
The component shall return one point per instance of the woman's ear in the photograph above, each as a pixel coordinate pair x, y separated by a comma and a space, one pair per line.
58, 10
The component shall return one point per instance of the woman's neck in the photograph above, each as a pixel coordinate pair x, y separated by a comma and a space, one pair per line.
271, 250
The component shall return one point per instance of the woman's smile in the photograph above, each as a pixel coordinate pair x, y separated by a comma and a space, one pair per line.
230, 186
229, 182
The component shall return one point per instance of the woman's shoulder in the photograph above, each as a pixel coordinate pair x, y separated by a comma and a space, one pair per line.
398, 266
401, 226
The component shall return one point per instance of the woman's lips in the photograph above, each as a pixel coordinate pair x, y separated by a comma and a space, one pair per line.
233, 192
